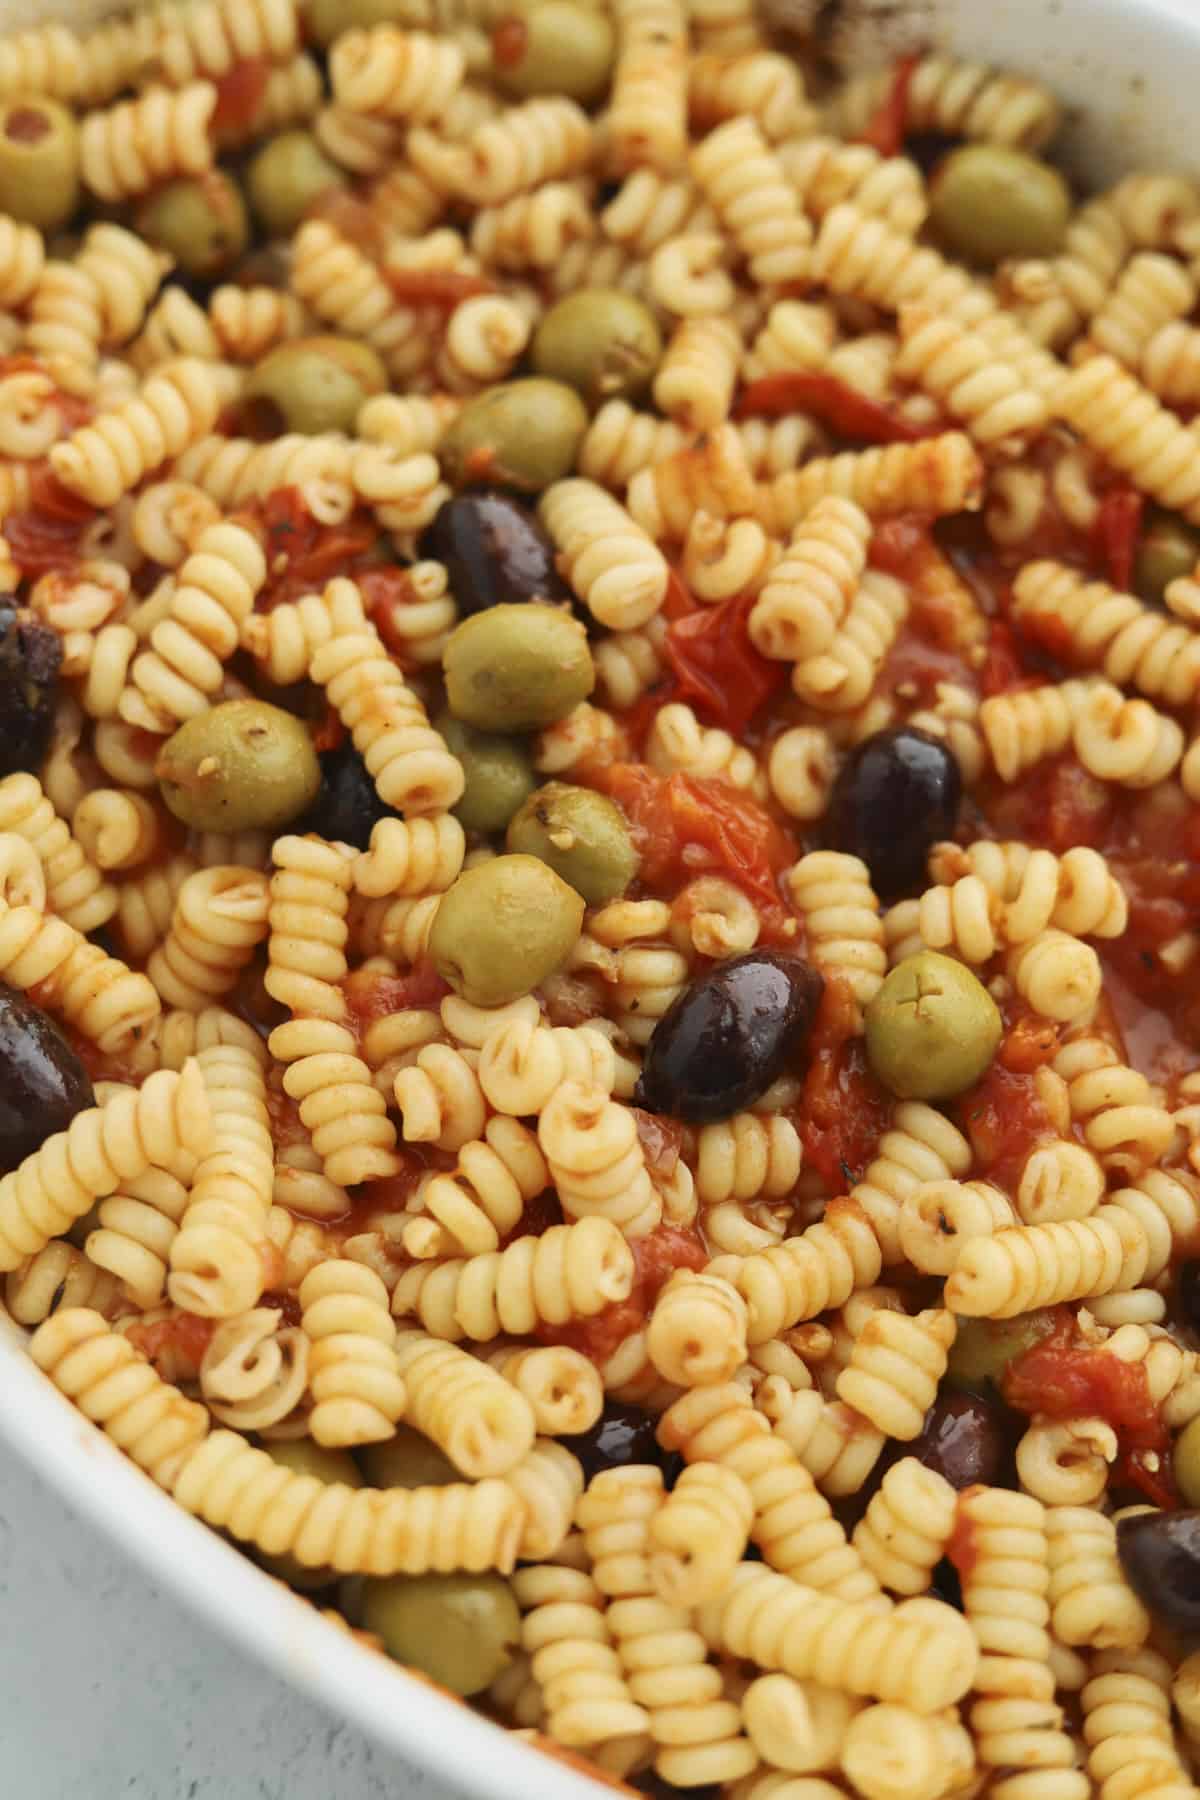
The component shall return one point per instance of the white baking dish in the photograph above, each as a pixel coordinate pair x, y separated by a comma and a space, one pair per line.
1130, 69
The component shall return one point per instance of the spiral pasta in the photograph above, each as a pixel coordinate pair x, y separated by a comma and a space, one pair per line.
138, 143
215, 1259
357, 1389
572, 1658
972, 382
103, 1145
468, 1210
940, 475
90, 990
1090, 1601
907, 1526
998, 1277
395, 74
699, 1534
617, 571
745, 182
808, 593
484, 1425
964, 99
832, 893
595, 1159
895, 1367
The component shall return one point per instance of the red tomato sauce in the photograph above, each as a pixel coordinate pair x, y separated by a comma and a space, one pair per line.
656, 1257
372, 995
302, 554
1005, 1121
182, 1338
843, 1110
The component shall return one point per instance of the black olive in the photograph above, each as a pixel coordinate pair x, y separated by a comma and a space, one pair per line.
347, 806
964, 1438
495, 552
30, 655
896, 796
728, 1035
1189, 1295
43, 1084
623, 1434
945, 1584
1160, 1554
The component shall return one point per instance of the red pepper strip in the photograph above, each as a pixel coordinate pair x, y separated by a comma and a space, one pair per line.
510, 39
886, 131
850, 414
435, 287
1115, 533
717, 666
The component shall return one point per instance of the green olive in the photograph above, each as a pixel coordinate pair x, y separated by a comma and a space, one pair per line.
932, 1029
200, 219
327, 19
285, 177
1168, 549
988, 202
243, 766
39, 162
601, 342
503, 927
498, 771
521, 434
555, 48
304, 1457
1187, 1463
311, 385
984, 1348
582, 835
460, 1630
407, 1460
517, 667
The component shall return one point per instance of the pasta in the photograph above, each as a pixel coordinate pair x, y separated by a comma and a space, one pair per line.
397, 1141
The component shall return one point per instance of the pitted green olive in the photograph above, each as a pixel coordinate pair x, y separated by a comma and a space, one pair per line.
407, 1460
503, 927
988, 202
242, 766
200, 220
311, 385
583, 837
603, 343
39, 162
521, 434
932, 1029
286, 176
460, 1630
517, 667
554, 48
1168, 549
498, 772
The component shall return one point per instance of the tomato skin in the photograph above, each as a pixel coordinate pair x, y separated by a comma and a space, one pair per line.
435, 287
1063, 1378
371, 995
1005, 1120
843, 1110
239, 94
656, 1257
182, 1338
1002, 669
45, 535
301, 553
1116, 532
846, 412
509, 40
886, 131
717, 666
684, 826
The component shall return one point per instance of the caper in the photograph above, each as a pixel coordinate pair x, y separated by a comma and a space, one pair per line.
1168, 549
555, 48
503, 927
984, 1348
200, 220
932, 1029
987, 202
517, 667
582, 835
310, 385
407, 1460
460, 1630
285, 177
243, 766
521, 434
39, 162
601, 342
1186, 1463
498, 773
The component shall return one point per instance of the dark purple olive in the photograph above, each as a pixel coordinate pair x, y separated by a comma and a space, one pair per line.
43, 1084
495, 552
945, 1584
896, 796
1188, 1307
964, 1438
30, 655
623, 1434
729, 1034
347, 805
1160, 1554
